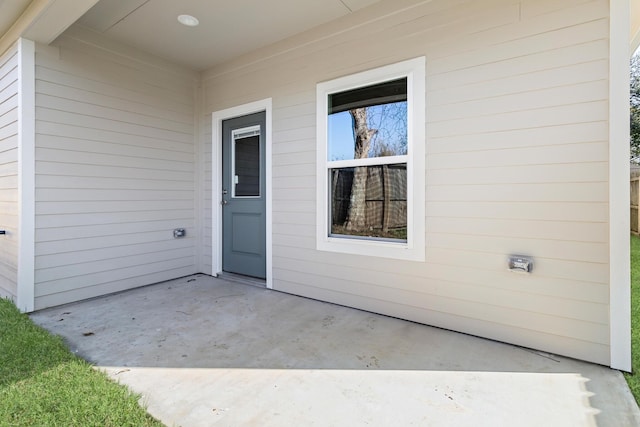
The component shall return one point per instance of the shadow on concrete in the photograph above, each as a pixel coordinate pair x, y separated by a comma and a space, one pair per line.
201, 333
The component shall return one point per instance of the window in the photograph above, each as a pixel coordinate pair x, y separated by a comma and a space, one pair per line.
371, 162
367, 127
245, 162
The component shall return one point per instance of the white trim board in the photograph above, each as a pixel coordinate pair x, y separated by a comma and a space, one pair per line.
216, 183
414, 70
26, 176
619, 251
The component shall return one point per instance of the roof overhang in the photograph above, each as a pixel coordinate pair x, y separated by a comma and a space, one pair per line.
44, 20
635, 26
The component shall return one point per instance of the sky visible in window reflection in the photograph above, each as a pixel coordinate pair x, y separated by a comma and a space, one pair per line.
390, 121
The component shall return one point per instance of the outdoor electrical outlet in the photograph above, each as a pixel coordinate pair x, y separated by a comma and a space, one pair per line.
179, 232
520, 263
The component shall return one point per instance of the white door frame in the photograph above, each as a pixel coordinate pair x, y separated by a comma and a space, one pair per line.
216, 179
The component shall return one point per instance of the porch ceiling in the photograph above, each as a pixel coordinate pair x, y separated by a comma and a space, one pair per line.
228, 28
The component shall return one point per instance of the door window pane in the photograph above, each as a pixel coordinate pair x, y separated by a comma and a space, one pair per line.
246, 168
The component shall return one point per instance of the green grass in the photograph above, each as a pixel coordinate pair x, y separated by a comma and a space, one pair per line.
634, 379
43, 384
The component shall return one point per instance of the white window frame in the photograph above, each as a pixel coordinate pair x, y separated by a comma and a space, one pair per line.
414, 248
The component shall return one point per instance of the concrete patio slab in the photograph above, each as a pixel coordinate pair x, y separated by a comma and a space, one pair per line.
205, 351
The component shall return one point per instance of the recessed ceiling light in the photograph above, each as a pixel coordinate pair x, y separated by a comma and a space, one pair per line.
188, 20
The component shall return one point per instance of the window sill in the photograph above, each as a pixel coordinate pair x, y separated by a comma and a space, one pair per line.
372, 248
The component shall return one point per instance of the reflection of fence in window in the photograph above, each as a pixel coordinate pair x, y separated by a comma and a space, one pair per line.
385, 205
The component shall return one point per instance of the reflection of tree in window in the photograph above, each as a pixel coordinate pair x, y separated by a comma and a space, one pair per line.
390, 124
375, 196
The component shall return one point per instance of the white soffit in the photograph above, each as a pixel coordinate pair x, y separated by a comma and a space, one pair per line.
40, 21
635, 26
228, 28
10, 11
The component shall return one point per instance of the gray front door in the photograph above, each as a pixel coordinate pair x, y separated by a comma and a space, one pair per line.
243, 196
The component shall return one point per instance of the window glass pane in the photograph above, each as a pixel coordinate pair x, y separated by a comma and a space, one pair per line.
368, 122
369, 201
247, 166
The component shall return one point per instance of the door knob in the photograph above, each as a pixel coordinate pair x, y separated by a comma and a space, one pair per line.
223, 202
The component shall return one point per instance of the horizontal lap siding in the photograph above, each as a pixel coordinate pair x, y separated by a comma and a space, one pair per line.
516, 162
114, 172
9, 82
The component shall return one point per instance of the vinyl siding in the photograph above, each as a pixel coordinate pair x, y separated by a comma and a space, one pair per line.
115, 169
516, 162
9, 88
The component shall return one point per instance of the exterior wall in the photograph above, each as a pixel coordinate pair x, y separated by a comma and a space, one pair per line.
115, 169
9, 88
516, 162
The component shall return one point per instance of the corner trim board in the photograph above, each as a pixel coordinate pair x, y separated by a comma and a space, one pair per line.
619, 216
26, 176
